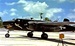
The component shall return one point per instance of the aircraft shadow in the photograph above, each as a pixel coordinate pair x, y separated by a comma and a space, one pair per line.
49, 39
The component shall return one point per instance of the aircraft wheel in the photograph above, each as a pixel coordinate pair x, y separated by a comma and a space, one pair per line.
7, 35
44, 36
72, 31
30, 34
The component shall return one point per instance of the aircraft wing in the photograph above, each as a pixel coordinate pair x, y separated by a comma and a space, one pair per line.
52, 23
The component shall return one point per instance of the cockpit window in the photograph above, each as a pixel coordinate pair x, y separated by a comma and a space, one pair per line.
18, 20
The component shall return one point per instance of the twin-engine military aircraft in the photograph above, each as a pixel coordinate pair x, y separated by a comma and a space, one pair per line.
38, 25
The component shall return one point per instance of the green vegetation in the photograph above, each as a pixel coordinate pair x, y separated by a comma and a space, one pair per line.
1, 22
47, 19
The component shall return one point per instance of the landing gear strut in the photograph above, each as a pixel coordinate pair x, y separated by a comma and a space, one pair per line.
7, 35
44, 36
30, 34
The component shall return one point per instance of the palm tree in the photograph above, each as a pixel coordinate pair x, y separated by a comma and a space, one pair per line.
41, 15
66, 20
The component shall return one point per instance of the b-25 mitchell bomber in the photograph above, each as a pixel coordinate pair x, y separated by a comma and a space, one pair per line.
38, 25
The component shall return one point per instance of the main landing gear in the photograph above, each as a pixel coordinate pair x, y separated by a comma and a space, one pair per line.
30, 34
43, 36
7, 35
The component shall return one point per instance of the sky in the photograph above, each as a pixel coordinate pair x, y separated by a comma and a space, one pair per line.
53, 9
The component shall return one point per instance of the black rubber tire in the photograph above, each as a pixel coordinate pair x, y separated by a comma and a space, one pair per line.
7, 35
30, 34
44, 36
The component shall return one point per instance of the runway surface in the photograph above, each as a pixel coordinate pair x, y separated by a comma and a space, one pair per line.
19, 38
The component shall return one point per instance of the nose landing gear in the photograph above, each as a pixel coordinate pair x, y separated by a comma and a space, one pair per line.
7, 35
